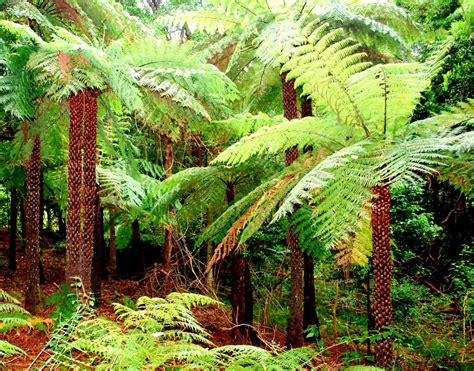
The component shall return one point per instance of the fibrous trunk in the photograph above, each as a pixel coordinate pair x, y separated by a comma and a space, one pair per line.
32, 292
81, 210
241, 294
310, 315
241, 298
168, 243
41, 230
90, 186
13, 229
295, 324
97, 267
112, 245
382, 272
74, 186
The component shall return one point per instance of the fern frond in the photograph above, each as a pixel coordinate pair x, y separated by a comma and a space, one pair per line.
317, 178
120, 189
7, 349
276, 139
209, 21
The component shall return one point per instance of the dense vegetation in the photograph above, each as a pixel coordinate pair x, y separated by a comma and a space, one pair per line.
225, 184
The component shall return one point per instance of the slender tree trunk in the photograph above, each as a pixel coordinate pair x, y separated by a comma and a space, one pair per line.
241, 295
112, 245
310, 315
61, 224
23, 221
97, 270
370, 315
74, 191
138, 265
32, 292
295, 324
196, 148
13, 229
41, 230
382, 272
168, 243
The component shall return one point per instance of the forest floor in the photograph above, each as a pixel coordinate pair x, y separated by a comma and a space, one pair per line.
215, 319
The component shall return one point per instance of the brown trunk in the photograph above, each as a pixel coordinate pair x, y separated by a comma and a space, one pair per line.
196, 148
112, 246
168, 243
241, 298
137, 264
23, 221
241, 294
74, 186
382, 272
310, 315
41, 230
370, 315
290, 106
295, 323
61, 224
90, 186
13, 229
32, 292
306, 107
97, 258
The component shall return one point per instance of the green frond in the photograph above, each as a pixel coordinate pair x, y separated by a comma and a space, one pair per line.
387, 94
323, 68
7, 349
238, 126
209, 21
21, 31
11, 315
255, 214
268, 141
17, 92
120, 189
317, 178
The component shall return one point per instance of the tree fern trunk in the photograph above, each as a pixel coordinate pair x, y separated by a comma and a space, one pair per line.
74, 186
168, 243
295, 324
97, 270
13, 229
23, 221
112, 245
241, 294
41, 230
32, 292
310, 315
382, 272
90, 186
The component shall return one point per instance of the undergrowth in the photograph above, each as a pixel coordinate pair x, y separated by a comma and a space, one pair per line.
156, 333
